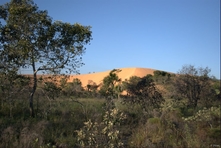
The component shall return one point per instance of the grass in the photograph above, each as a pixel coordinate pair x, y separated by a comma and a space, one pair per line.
54, 124
57, 120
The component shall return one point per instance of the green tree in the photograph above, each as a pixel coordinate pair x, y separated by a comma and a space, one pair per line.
92, 86
108, 88
30, 39
161, 76
74, 88
193, 84
50, 87
143, 91
92, 89
63, 81
131, 84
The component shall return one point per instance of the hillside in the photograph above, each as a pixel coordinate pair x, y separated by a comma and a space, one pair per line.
125, 73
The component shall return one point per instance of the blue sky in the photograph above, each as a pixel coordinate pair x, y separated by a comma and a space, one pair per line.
158, 34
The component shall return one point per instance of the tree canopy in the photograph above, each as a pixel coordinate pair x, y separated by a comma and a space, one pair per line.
109, 88
29, 38
193, 84
143, 91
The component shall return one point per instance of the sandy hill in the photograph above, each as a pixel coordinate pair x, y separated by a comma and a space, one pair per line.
125, 73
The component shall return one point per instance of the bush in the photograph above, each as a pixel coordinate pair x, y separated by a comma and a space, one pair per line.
104, 134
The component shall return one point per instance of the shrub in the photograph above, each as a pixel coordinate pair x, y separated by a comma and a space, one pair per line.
104, 134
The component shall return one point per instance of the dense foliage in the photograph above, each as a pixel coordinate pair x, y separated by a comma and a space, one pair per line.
30, 39
69, 115
144, 92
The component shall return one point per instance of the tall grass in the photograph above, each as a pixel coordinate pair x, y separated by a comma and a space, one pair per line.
58, 120
54, 125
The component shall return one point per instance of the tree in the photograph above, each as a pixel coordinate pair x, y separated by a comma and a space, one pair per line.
110, 88
63, 81
143, 91
74, 88
109, 83
161, 76
50, 87
131, 85
30, 39
92, 88
193, 84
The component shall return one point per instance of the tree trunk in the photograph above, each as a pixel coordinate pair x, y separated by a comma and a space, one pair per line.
31, 106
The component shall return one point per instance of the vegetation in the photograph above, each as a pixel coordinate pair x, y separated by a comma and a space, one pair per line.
68, 115
143, 91
109, 87
31, 39
163, 110
194, 84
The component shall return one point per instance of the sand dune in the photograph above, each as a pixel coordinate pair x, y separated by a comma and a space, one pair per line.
125, 73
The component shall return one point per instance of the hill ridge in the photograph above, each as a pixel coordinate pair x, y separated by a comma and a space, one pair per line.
125, 73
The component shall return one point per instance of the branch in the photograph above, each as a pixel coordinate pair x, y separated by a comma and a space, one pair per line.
53, 68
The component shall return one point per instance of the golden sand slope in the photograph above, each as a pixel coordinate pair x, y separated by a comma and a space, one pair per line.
125, 73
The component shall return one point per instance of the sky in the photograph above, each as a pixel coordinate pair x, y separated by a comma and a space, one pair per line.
158, 34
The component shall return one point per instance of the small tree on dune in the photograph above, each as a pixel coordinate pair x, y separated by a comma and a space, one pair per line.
143, 91
109, 88
109, 83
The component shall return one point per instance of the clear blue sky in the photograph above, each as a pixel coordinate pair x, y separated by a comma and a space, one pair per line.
158, 34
